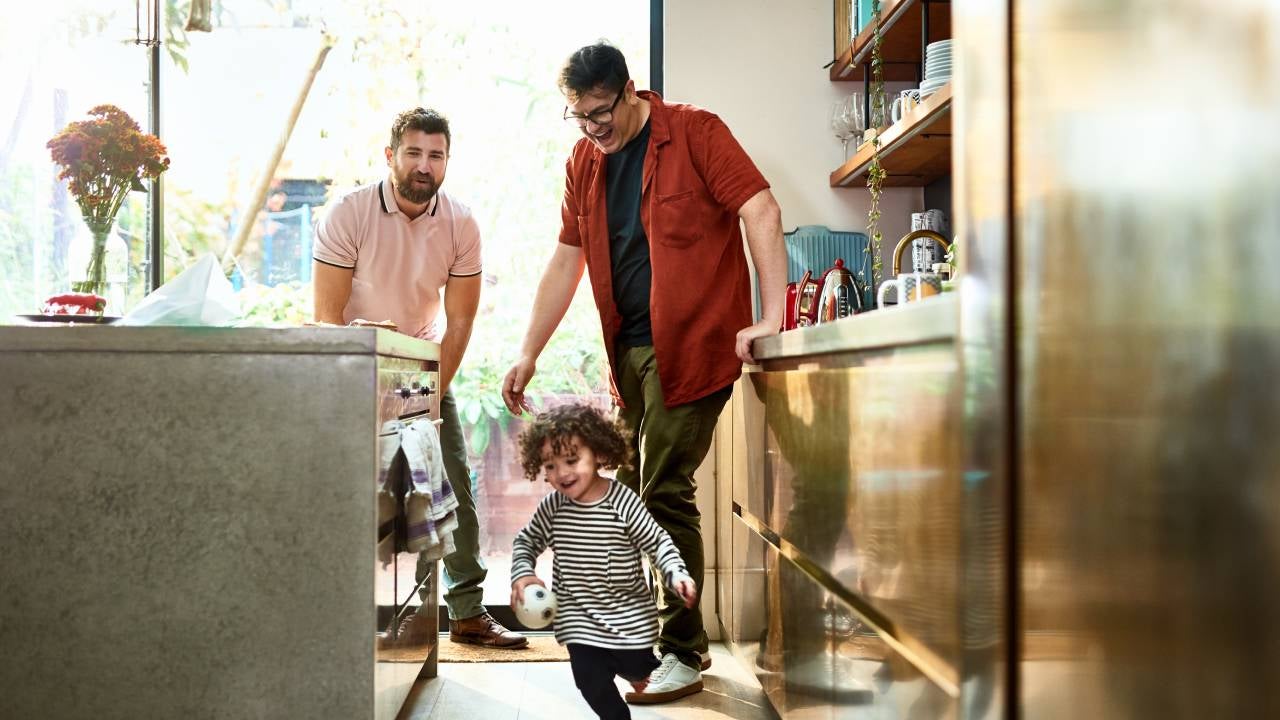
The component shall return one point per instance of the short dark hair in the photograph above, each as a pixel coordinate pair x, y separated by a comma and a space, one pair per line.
424, 119
595, 66
607, 439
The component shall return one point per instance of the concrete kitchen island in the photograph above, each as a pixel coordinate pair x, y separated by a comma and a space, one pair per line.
188, 522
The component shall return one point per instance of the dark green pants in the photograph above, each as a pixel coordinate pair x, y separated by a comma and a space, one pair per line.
669, 445
464, 571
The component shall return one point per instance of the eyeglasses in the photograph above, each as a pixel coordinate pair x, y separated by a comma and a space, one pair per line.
598, 117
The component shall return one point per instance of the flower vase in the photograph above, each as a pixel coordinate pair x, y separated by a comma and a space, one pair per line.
95, 276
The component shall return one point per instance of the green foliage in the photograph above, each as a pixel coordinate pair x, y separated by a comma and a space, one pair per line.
175, 33
193, 226
284, 304
22, 225
573, 362
488, 71
876, 174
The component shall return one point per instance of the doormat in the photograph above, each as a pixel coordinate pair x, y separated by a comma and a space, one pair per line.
541, 648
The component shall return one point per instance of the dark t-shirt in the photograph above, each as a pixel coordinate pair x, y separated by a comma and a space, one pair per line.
628, 246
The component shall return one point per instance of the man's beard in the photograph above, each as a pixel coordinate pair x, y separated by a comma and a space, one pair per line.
418, 195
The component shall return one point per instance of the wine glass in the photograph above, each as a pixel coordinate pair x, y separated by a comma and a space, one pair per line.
843, 123
857, 116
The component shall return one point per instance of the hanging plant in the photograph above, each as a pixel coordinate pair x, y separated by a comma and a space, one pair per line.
876, 173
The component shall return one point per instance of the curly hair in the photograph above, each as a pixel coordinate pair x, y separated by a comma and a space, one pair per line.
606, 438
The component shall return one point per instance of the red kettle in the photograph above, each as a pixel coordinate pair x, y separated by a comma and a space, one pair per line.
840, 294
802, 302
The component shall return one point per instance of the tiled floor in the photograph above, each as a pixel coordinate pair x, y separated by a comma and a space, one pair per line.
545, 691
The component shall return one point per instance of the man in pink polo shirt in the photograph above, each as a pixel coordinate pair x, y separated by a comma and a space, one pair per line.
385, 252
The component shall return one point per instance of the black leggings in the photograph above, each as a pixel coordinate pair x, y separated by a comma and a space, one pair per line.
594, 669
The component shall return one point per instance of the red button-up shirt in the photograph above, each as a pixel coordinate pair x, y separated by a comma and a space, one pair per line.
696, 178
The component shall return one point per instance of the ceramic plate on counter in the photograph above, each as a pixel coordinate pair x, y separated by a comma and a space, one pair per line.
84, 319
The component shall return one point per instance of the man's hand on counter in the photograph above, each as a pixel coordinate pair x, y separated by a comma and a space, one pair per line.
747, 335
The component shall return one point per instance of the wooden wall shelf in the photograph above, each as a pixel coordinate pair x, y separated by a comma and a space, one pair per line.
914, 151
900, 40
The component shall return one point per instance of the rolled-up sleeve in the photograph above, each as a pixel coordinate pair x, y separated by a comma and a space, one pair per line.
725, 167
569, 208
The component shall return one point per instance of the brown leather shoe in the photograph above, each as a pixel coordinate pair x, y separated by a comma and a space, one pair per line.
484, 630
417, 629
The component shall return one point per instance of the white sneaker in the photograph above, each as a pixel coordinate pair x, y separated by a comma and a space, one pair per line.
671, 680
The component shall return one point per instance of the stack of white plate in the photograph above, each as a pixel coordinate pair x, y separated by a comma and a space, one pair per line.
937, 67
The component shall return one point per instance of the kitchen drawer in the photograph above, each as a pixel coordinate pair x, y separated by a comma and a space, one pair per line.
407, 387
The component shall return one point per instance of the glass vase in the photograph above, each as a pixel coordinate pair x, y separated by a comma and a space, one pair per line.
95, 275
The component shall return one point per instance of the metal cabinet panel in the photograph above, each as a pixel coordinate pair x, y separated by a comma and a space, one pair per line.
809, 650
980, 196
1149, 473
861, 477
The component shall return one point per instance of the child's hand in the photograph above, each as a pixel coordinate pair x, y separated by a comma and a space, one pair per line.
687, 589
517, 587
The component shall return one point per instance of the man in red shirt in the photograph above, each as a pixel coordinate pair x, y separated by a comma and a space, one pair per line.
654, 194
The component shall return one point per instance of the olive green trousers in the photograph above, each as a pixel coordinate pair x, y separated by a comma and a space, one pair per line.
669, 444
464, 570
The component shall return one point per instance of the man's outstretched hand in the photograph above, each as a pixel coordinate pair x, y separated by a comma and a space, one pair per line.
514, 384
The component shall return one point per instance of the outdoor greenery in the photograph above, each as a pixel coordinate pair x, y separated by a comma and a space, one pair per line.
227, 94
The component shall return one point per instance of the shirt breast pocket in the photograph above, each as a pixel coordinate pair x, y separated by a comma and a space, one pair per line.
677, 219
624, 573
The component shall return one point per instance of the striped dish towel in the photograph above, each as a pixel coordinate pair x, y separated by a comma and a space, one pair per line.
429, 504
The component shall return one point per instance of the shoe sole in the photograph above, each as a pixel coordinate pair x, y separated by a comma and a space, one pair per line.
524, 643
655, 698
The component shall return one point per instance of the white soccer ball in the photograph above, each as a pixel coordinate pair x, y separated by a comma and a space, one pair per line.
537, 607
